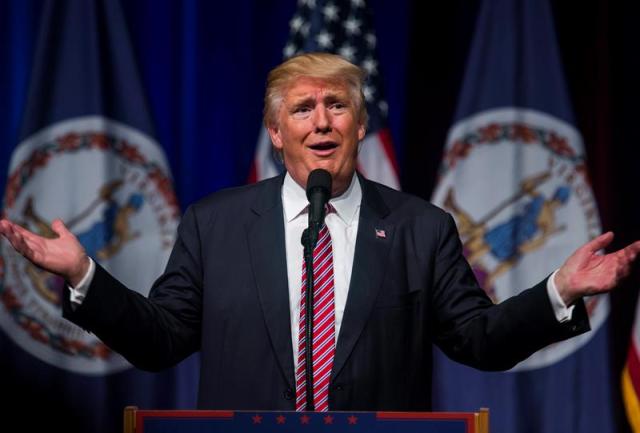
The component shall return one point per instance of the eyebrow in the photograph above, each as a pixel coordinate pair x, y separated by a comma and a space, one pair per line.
328, 97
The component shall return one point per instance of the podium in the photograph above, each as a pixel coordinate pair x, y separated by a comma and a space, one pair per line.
216, 421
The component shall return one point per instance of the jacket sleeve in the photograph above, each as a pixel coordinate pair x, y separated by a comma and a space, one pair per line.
471, 329
156, 332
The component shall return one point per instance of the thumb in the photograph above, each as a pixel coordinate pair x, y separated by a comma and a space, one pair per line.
600, 242
59, 228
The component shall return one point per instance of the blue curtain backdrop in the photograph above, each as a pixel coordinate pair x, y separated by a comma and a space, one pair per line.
203, 66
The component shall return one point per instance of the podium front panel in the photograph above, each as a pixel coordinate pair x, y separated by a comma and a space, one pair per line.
206, 421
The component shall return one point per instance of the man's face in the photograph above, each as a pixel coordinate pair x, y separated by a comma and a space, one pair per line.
318, 127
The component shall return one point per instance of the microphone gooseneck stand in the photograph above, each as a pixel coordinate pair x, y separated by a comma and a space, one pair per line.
309, 245
318, 193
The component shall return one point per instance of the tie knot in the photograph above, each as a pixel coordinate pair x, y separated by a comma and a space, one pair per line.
328, 208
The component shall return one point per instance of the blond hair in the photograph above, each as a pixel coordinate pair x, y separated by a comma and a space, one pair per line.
325, 66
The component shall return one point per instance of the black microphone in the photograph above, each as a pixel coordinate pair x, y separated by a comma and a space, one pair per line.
318, 194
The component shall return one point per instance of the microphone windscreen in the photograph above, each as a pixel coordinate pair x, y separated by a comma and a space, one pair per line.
319, 180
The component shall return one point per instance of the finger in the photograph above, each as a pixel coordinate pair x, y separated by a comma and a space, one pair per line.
29, 245
629, 253
633, 250
58, 226
18, 242
5, 226
23, 232
12, 235
600, 242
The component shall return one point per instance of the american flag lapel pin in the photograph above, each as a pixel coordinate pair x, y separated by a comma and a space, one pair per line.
381, 234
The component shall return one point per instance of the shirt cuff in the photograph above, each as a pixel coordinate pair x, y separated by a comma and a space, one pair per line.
79, 292
561, 311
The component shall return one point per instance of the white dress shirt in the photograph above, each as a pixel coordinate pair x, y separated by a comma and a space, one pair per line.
343, 228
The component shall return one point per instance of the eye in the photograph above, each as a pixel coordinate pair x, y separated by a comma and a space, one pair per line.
339, 106
301, 111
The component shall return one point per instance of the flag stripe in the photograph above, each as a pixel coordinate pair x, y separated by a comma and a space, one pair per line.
633, 366
387, 143
631, 399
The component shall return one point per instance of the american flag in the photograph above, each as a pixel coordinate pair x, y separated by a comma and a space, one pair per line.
631, 376
341, 27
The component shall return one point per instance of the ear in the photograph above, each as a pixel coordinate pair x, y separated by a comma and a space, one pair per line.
276, 137
362, 131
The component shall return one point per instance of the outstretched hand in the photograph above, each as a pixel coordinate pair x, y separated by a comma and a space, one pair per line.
62, 255
589, 272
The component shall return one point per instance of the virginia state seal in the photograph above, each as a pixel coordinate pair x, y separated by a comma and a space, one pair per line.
111, 186
515, 182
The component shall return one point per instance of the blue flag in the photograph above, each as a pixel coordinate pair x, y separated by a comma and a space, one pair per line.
86, 154
514, 178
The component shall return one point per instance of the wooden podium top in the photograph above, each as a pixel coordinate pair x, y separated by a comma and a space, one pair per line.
214, 421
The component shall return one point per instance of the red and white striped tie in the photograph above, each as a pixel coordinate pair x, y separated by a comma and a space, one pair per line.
323, 326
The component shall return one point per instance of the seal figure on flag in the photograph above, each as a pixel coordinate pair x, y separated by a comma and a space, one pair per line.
123, 207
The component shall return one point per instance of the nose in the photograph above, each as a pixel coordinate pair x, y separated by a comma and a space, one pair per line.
323, 120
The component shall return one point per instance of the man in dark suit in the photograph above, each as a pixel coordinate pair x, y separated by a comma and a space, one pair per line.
399, 279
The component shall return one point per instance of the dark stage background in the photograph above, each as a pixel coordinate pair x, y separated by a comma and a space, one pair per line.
204, 63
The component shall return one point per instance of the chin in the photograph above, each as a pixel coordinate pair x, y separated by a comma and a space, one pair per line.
325, 166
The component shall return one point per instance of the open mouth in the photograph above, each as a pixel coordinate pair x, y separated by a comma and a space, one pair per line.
324, 146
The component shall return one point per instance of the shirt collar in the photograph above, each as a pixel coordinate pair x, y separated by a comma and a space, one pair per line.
294, 200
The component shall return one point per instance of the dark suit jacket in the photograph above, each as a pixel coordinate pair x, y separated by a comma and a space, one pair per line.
225, 293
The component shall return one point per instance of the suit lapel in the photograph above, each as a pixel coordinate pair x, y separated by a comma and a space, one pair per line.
268, 258
373, 245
